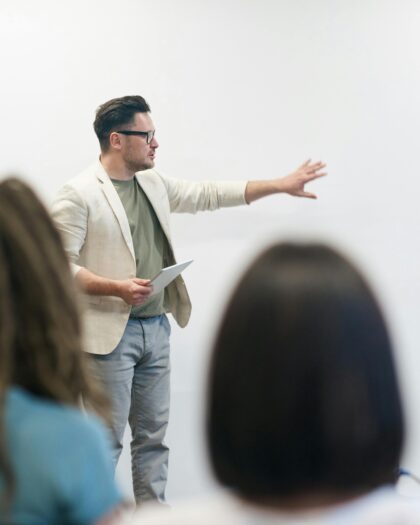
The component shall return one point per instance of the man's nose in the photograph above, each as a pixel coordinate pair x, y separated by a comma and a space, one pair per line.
154, 143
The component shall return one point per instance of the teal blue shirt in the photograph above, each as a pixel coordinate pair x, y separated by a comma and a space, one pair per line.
61, 461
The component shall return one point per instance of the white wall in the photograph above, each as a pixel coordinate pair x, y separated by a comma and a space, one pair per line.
238, 89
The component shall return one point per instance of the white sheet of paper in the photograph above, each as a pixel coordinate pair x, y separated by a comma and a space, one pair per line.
167, 275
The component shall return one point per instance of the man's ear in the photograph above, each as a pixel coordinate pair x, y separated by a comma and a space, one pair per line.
115, 140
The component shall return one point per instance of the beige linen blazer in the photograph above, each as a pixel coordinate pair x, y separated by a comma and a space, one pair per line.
96, 235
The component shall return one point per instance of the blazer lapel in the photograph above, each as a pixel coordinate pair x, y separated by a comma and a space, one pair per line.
116, 205
149, 183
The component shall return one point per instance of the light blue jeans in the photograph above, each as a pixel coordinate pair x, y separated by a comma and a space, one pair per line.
136, 378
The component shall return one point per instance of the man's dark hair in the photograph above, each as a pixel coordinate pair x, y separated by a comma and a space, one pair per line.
115, 113
303, 395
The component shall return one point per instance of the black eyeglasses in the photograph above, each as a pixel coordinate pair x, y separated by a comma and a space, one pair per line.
148, 134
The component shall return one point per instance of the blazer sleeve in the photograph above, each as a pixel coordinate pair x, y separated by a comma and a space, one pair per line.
190, 197
70, 214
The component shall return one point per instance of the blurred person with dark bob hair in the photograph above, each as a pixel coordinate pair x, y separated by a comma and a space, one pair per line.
304, 420
55, 464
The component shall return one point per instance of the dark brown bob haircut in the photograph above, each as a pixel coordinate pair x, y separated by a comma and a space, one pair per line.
115, 113
303, 394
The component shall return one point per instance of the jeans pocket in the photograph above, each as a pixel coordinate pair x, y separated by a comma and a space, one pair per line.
166, 324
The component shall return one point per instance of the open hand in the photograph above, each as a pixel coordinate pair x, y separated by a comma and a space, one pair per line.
294, 184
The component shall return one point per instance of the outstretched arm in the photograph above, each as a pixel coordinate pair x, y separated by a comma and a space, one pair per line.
293, 184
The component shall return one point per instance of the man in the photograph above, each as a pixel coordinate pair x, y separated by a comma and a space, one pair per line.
114, 219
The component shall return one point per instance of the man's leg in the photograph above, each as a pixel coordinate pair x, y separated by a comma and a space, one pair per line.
115, 371
149, 412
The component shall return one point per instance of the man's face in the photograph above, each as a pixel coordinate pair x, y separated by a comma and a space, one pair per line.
136, 153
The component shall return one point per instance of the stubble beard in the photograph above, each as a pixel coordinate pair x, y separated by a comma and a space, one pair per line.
140, 166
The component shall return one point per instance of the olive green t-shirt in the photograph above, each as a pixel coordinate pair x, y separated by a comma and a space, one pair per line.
149, 241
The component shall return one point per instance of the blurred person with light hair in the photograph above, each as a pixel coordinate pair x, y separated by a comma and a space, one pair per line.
55, 461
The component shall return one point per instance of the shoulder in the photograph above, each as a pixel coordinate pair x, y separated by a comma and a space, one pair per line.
85, 181
81, 192
58, 455
45, 423
381, 506
392, 509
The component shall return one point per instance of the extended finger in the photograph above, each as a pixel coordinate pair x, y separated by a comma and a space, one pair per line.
142, 290
308, 195
313, 176
141, 282
306, 163
315, 167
